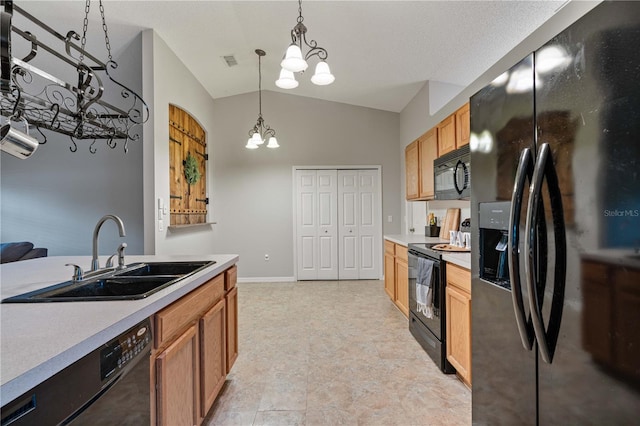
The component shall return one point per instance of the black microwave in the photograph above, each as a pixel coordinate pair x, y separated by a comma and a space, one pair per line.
452, 175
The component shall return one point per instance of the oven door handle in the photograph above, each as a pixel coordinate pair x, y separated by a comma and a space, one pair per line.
524, 171
547, 337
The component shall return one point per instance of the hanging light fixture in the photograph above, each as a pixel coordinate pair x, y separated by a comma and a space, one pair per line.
261, 131
295, 62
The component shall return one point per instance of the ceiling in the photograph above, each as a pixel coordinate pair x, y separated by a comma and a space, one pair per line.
381, 52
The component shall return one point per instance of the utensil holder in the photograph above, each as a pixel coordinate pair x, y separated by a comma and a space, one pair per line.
431, 231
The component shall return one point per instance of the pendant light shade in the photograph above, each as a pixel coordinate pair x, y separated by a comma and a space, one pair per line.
286, 80
261, 131
323, 75
273, 143
293, 60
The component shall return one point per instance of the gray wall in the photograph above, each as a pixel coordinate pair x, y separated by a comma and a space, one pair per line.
252, 190
55, 197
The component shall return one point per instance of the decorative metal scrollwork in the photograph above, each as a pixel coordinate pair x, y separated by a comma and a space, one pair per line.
80, 110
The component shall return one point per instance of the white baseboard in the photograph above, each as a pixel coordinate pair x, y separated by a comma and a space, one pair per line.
266, 279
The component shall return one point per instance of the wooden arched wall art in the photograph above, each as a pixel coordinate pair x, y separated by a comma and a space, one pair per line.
187, 162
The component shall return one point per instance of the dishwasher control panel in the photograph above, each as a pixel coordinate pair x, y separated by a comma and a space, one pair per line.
123, 352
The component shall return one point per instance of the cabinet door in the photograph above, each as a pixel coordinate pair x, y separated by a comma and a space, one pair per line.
459, 331
178, 382
463, 125
232, 327
213, 355
389, 275
447, 135
402, 286
428, 151
412, 165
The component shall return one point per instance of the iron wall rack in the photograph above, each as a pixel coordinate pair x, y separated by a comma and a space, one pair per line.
78, 110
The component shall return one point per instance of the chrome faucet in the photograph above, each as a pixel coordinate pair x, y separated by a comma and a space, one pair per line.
95, 263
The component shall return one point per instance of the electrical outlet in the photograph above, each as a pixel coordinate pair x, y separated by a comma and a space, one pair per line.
266, 257
389, 218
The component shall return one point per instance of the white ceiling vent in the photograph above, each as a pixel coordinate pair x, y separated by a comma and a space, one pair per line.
230, 60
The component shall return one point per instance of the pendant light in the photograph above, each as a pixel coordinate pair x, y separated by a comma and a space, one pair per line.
294, 61
261, 131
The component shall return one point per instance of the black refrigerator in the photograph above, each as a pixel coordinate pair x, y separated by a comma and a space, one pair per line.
555, 148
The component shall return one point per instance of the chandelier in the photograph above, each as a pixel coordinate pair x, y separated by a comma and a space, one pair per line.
295, 62
261, 131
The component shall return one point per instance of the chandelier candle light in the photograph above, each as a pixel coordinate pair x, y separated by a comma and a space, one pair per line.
294, 62
261, 130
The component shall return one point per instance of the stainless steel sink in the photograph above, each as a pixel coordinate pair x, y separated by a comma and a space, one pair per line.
136, 281
162, 268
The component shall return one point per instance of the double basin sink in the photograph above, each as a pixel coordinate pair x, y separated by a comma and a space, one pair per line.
135, 281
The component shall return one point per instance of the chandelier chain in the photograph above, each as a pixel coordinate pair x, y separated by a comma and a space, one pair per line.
85, 25
300, 18
106, 34
259, 85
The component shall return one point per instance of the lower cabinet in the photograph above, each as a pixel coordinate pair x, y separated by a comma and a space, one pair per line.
402, 280
458, 322
177, 381
190, 356
231, 297
396, 275
213, 356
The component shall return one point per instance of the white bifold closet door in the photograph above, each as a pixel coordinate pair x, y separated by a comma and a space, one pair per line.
358, 224
316, 222
337, 224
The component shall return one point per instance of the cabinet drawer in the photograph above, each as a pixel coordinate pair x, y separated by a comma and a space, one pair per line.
177, 316
459, 277
401, 253
230, 278
389, 247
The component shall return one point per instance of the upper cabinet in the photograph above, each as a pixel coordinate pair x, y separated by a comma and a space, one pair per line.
412, 170
454, 131
428, 151
463, 125
450, 134
419, 156
447, 135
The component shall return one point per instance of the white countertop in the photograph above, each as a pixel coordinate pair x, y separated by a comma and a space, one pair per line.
461, 259
40, 339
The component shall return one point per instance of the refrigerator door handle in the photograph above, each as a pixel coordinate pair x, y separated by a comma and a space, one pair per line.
547, 338
524, 171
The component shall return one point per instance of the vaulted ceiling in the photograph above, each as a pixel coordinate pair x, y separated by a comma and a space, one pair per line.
381, 52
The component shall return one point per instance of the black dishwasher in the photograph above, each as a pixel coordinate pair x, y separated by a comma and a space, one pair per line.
109, 386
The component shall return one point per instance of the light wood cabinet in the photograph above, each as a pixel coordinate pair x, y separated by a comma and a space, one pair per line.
402, 280
455, 130
458, 323
396, 275
412, 172
419, 156
428, 151
463, 125
190, 357
177, 381
213, 356
231, 297
447, 135
389, 269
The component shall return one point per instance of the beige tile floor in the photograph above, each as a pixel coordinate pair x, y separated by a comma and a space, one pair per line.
332, 353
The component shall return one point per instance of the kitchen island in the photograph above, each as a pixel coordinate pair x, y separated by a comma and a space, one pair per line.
40, 339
